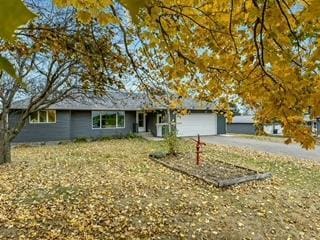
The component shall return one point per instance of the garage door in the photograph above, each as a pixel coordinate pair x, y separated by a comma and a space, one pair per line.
197, 123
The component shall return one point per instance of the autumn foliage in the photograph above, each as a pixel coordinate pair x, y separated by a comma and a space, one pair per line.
263, 51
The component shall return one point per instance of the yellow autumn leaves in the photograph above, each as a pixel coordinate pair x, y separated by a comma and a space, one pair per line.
266, 52
13, 13
89, 10
92, 9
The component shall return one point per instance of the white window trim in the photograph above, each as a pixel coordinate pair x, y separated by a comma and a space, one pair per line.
47, 122
101, 128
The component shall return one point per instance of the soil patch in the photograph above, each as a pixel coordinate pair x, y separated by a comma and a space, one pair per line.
218, 173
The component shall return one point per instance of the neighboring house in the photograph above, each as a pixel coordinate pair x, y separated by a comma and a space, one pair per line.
242, 125
273, 129
316, 126
116, 115
246, 125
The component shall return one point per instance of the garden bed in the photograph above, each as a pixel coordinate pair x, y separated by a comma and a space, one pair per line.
217, 173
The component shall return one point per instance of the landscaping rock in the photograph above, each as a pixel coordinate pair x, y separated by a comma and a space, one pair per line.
158, 155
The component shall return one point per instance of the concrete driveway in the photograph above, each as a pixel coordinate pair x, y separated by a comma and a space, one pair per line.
293, 150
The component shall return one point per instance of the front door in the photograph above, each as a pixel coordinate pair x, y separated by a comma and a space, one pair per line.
141, 121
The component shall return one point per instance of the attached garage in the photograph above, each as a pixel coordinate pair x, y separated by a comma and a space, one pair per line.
197, 123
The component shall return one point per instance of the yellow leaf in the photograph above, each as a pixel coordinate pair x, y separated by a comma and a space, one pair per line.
7, 66
13, 13
84, 17
134, 6
105, 19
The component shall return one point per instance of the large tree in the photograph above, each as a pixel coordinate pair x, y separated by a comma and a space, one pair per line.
55, 58
264, 51
54, 79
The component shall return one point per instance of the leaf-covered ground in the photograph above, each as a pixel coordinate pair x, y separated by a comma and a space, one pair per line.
111, 190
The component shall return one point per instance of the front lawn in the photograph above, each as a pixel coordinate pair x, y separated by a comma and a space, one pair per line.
110, 189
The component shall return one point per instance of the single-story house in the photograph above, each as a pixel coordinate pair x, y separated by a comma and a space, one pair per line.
242, 125
117, 115
246, 125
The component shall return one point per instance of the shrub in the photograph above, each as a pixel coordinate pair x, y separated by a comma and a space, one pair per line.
172, 142
132, 135
105, 138
80, 140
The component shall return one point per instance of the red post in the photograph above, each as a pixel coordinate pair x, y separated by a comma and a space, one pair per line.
199, 145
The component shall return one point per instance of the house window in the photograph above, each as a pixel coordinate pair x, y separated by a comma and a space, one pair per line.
34, 117
43, 116
160, 118
120, 119
96, 123
108, 119
141, 119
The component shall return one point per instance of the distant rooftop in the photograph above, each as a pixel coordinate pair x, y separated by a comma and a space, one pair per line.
243, 119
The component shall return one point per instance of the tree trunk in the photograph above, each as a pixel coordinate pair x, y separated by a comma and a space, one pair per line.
260, 130
5, 149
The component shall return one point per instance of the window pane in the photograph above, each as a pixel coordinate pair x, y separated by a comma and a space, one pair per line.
120, 119
51, 116
96, 119
109, 119
141, 119
34, 117
43, 116
160, 118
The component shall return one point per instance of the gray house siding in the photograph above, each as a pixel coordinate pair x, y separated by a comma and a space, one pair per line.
43, 132
221, 124
241, 128
69, 125
81, 126
73, 124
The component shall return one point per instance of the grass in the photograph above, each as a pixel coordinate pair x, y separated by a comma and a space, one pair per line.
111, 190
270, 138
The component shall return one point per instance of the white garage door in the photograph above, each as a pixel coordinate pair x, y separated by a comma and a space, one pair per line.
197, 123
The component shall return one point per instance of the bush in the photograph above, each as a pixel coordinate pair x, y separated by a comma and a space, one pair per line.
132, 136
105, 138
172, 142
80, 140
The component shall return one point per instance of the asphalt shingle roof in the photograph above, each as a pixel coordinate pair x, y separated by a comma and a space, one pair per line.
114, 101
